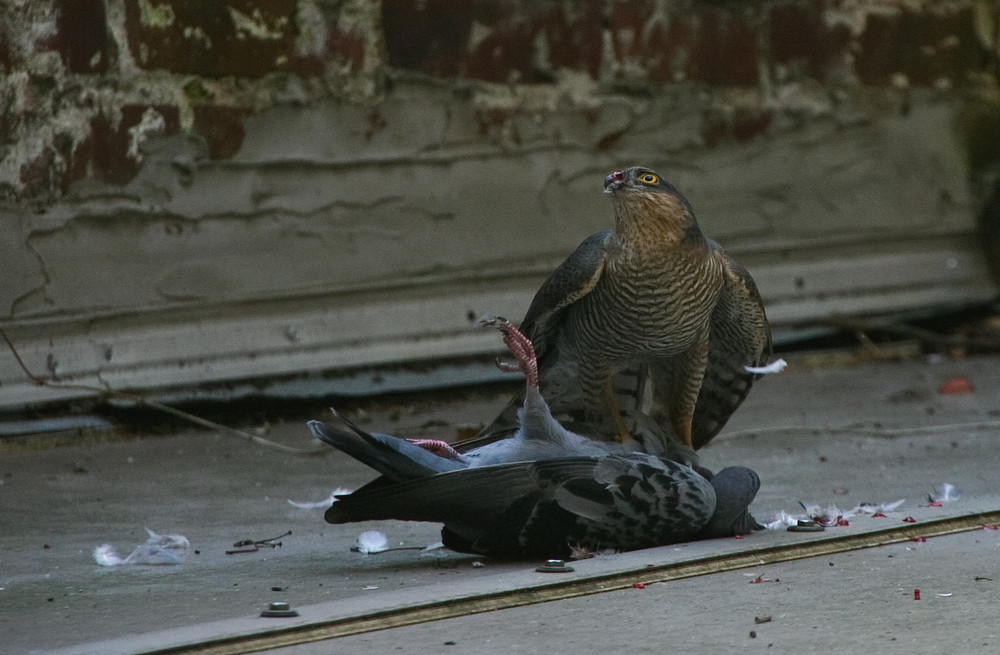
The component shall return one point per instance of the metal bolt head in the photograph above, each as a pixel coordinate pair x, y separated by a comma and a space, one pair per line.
279, 609
554, 566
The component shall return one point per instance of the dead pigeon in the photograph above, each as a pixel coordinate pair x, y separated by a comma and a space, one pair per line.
543, 490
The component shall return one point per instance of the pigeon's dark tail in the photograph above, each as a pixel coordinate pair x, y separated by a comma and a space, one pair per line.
336, 514
397, 459
352, 440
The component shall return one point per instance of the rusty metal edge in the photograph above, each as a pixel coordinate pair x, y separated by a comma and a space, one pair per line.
564, 589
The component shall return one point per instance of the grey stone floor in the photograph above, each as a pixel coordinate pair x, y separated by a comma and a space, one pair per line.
803, 431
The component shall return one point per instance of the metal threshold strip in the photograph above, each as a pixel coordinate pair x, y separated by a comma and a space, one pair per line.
581, 586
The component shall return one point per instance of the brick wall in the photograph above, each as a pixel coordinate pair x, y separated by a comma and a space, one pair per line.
176, 167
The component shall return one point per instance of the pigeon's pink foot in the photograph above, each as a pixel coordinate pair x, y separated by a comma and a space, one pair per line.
521, 347
438, 447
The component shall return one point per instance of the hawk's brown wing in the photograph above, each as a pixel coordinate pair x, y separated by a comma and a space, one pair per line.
740, 336
572, 280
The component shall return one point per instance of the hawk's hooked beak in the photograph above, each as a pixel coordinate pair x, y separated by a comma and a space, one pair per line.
614, 182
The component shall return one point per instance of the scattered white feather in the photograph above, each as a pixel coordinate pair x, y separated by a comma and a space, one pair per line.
158, 549
945, 493
813, 510
777, 366
151, 554
873, 508
321, 504
831, 515
167, 541
431, 549
372, 541
106, 555
318, 504
893, 506
782, 520
578, 552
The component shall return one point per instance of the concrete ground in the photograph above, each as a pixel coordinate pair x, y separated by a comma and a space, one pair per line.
827, 434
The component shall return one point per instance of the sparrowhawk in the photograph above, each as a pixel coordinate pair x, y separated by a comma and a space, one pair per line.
647, 320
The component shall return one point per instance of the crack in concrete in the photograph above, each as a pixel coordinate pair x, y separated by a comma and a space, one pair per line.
40, 290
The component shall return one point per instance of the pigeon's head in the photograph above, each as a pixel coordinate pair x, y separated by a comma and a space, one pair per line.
735, 488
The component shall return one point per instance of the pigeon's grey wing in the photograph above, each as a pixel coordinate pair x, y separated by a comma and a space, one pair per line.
635, 501
472, 497
735, 488
541, 508
395, 458
740, 337
572, 280
503, 510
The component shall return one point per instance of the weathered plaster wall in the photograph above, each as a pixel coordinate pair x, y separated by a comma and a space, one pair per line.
206, 191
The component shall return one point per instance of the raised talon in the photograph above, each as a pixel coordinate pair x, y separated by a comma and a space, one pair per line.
490, 321
509, 367
520, 346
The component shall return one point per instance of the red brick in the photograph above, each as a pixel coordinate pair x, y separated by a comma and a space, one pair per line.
81, 36
222, 129
176, 45
799, 34
724, 49
37, 177
429, 36
506, 50
576, 44
6, 58
923, 46
702, 43
742, 125
104, 155
347, 46
433, 37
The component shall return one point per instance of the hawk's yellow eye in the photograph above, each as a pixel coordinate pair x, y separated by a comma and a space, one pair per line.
649, 178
